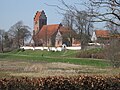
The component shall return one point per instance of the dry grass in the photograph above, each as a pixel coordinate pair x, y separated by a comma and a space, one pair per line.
43, 69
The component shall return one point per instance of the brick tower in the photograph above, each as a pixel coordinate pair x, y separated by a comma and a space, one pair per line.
40, 19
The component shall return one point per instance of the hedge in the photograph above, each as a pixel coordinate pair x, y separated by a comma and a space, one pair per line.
82, 82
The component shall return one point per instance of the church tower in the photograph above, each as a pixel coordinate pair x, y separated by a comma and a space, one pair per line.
40, 19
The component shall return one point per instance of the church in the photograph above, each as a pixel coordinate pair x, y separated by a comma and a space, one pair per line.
52, 35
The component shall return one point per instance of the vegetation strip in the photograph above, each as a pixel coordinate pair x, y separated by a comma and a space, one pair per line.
82, 82
81, 61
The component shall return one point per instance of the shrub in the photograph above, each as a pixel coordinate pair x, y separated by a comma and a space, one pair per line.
99, 55
93, 53
62, 83
113, 52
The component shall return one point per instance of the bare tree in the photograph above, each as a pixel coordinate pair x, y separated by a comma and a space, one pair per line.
68, 21
109, 11
114, 29
106, 10
7, 41
83, 27
19, 32
77, 20
1, 40
113, 52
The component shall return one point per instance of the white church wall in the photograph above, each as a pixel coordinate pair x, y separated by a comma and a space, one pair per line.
50, 48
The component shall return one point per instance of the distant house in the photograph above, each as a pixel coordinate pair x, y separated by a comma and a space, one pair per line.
52, 35
100, 36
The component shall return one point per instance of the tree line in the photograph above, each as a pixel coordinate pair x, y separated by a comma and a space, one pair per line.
14, 37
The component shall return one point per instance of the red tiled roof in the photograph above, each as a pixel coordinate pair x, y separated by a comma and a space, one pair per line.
76, 42
65, 31
48, 30
102, 33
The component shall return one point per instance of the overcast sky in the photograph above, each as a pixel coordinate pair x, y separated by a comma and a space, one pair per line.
12, 11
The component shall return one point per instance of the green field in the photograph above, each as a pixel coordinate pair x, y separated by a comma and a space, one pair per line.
39, 63
45, 56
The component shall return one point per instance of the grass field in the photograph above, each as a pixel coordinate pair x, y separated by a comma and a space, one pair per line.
45, 56
44, 63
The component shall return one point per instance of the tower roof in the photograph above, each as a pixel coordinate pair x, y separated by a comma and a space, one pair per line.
38, 14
